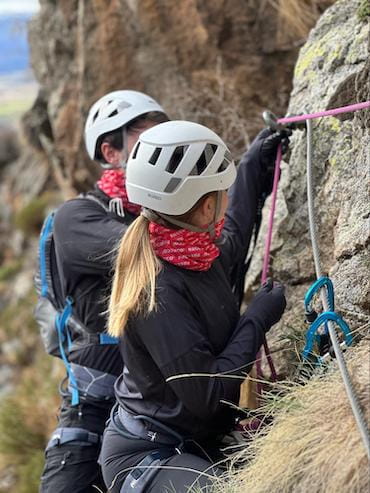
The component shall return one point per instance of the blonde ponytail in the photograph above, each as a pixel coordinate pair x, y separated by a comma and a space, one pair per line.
133, 289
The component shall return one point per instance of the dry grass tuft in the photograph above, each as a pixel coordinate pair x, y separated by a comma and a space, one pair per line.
314, 444
298, 16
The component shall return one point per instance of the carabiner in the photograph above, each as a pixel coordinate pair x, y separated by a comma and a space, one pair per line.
322, 319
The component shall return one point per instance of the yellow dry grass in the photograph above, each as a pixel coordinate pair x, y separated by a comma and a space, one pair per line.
314, 444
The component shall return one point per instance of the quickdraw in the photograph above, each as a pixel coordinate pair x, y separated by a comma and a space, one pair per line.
316, 332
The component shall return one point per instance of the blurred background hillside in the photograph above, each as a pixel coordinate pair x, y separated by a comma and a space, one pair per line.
18, 86
220, 63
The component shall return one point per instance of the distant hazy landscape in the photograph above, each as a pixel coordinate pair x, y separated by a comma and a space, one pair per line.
18, 87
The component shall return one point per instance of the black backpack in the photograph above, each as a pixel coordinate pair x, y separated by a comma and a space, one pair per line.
61, 331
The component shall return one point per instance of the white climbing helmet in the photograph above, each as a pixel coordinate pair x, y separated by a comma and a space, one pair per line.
174, 164
113, 111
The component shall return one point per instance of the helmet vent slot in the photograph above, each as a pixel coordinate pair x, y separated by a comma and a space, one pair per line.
172, 185
154, 157
135, 150
176, 159
114, 113
204, 159
225, 163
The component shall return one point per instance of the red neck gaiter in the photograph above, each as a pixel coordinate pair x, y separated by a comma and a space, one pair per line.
187, 249
112, 182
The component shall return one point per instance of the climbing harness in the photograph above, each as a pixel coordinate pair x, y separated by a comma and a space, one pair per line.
323, 284
166, 441
78, 436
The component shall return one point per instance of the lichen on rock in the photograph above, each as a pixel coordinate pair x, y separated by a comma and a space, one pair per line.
341, 160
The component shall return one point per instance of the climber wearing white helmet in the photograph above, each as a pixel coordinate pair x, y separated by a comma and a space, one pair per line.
85, 232
174, 311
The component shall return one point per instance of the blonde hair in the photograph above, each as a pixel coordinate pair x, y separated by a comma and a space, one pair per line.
133, 289
136, 269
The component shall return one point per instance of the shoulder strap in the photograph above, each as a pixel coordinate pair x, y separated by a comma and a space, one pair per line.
43, 281
95, 199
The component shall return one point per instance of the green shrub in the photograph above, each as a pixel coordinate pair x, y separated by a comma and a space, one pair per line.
26, 421
30, 472
29, 219
8, 270
17, 439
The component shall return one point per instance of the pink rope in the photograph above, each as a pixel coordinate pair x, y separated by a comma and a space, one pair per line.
265, 268
266, 258
335, 111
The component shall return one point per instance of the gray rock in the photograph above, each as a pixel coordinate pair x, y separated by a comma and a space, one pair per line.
9, 145
327, 74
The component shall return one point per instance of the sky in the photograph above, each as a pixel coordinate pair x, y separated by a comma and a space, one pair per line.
18, 6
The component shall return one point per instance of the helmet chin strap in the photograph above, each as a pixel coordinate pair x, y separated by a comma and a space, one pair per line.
161, 218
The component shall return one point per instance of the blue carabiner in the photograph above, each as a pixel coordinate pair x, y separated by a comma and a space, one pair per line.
322, 319
316, 286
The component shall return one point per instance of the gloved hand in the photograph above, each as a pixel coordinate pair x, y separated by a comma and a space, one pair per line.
268, 156
267, 306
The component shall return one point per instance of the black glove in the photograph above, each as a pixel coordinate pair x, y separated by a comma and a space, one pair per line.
268, 156
267, 306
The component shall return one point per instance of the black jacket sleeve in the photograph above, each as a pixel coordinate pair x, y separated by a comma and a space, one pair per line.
87, 236
244, 197
200, 378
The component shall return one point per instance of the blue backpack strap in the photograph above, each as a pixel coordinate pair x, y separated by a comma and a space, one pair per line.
43, 257
105, 338
63, 334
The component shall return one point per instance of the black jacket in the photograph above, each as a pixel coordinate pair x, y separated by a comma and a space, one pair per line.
85, 238
196, 330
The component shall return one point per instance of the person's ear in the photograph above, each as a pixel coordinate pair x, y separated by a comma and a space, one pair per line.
208, 208
110, 154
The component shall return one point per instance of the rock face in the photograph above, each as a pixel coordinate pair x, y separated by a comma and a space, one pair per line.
9, 145
332, 71
218, 62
